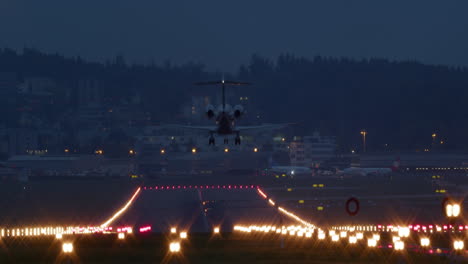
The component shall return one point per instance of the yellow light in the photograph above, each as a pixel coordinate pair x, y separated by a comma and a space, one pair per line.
123, 209
255, 149
289, 189
194, 150
183, 235
301, 201
320, 208
226, 150
216, 230
174, 247
121, 236
131, 152
67, 150
67, 247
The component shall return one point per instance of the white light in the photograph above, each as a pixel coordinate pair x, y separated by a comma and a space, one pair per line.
403, 232
449, 210
359, 236
371, 242
67, 247
376, 237
456, 210
352, 240
183, 235
335, 238
399, 245
173, 230
321, 236
343, 234
395, 239
425, 242
216, 230
121, 236
458, 245
59, 236
174, 247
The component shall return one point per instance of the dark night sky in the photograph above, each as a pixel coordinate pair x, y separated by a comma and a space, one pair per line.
223, 34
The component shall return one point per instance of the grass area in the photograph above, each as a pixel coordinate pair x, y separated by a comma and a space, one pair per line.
201, 248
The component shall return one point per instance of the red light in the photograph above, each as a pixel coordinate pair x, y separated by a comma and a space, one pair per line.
229, 186
224, 186
218, 186
445, 227
207, 187
390, 246
201, 186
178, 187
460, 227
185, 187
144, 188
162, 187
251, 186
240, 186
235, 186
173, 187
190, 187
168, 187
156, 187
151, 188
431, 226
196, 187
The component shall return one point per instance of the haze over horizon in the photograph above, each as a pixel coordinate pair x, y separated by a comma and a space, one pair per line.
225, 35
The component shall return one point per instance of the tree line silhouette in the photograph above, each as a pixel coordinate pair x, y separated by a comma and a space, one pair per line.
399, 103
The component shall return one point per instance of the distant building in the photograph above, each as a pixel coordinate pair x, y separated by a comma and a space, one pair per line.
311, 151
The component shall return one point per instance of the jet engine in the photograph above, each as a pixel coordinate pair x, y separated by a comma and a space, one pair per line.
238, 111
210, 111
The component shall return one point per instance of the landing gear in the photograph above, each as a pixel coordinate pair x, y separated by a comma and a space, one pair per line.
237, 140
226, 141
211, 141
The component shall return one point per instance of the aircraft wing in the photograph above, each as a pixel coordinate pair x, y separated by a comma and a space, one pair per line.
200, 128
262, 127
